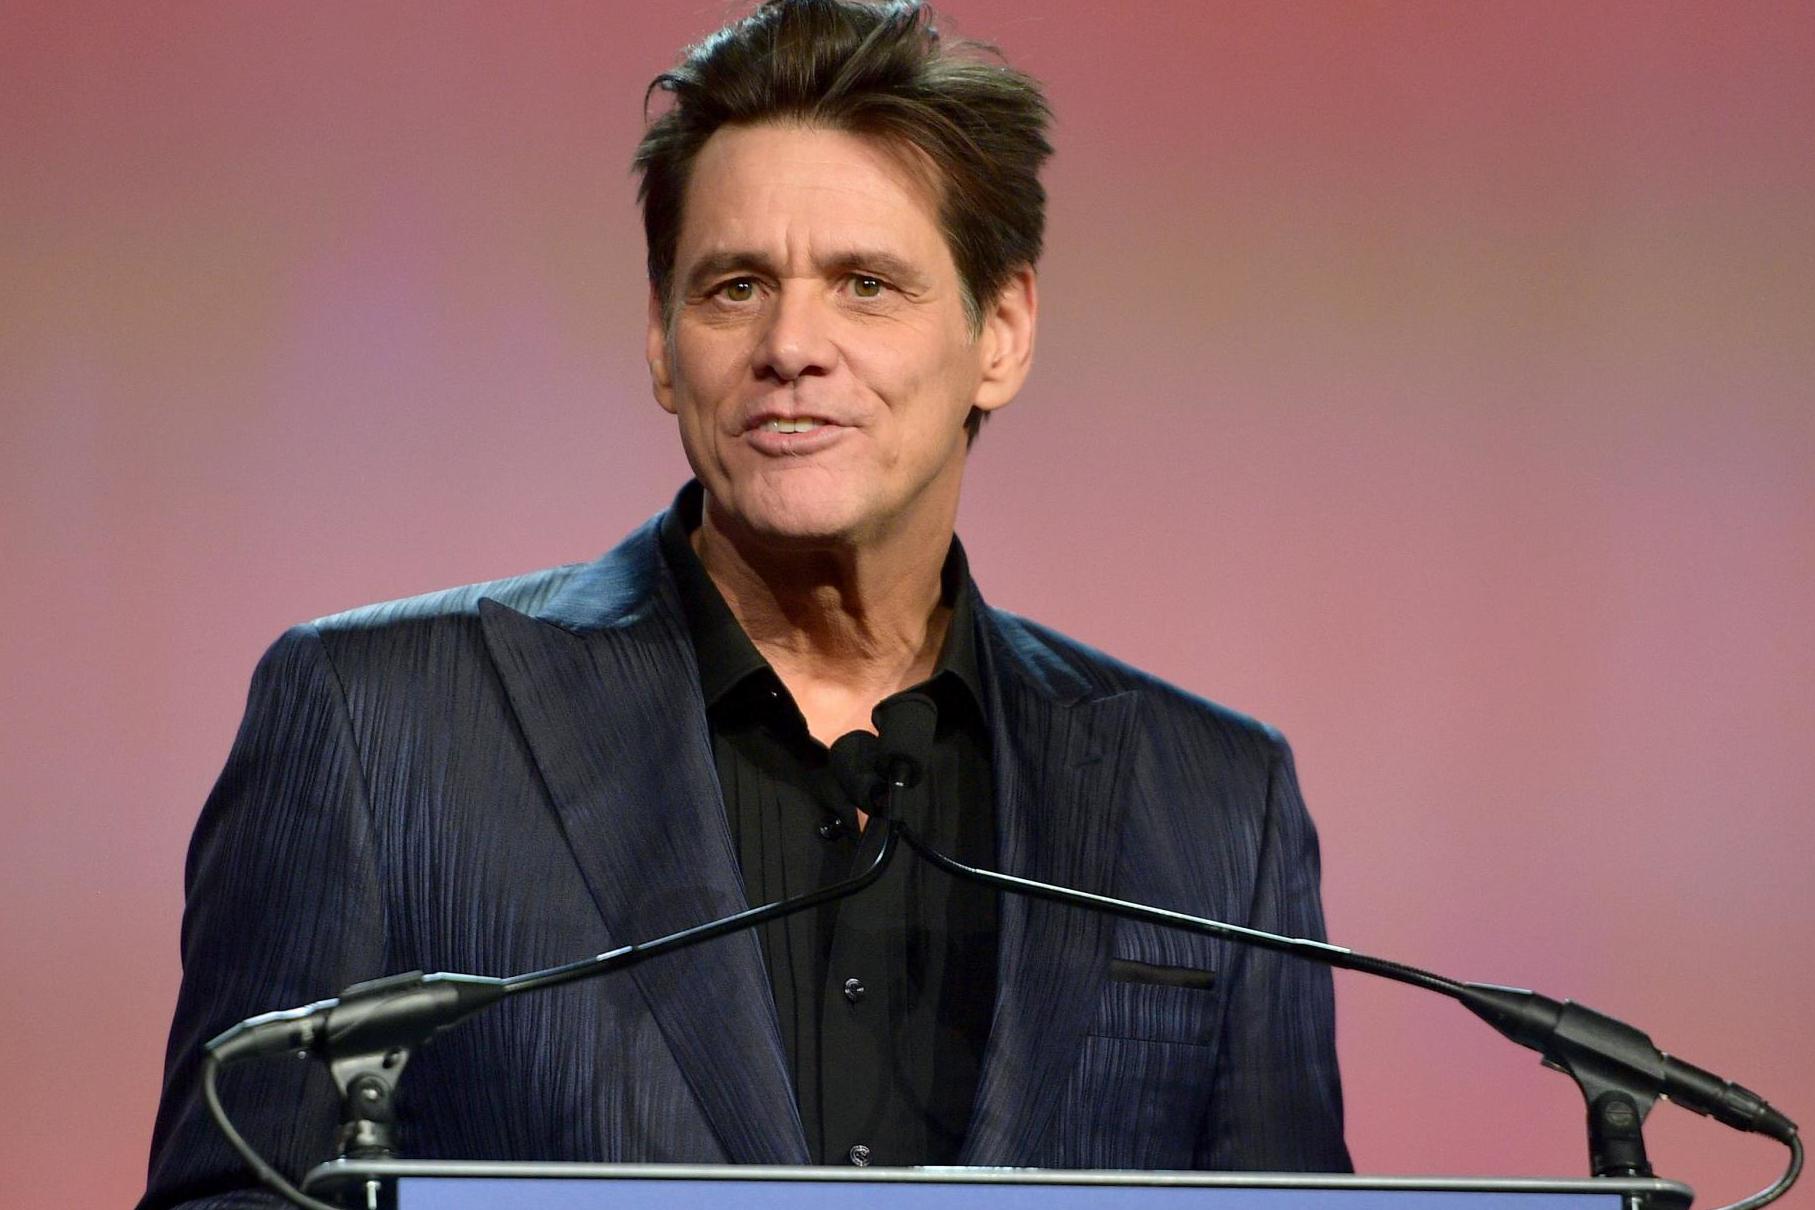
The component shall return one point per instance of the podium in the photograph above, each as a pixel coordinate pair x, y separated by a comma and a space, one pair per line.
475, 1184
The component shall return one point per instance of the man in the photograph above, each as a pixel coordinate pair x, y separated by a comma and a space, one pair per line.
843, 220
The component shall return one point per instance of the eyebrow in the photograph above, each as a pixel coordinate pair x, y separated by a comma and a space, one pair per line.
719, 264
733, 261
883, 264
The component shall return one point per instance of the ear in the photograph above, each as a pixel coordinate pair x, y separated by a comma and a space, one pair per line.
655, 348
1006, 344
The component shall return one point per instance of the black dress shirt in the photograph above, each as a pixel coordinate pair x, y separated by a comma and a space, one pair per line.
884, 999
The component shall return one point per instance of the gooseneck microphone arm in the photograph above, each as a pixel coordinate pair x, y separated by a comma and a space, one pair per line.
1620, 1072
366, 1034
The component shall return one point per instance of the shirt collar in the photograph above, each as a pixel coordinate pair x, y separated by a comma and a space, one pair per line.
727, 657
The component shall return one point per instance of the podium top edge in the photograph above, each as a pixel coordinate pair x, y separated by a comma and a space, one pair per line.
338, 1171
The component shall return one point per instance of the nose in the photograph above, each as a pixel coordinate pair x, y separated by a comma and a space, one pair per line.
798, 339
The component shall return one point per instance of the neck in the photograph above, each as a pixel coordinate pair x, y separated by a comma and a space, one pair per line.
843, 624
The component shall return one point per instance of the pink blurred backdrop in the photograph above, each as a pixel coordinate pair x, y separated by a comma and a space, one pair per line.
1431, 380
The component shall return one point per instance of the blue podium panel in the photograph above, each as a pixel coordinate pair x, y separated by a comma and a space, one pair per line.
480, 1193
497, 1185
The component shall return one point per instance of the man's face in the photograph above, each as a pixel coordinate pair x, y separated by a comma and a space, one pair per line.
819, 358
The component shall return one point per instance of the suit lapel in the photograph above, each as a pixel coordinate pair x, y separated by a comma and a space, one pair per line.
1059, 758
604, 687
603, 684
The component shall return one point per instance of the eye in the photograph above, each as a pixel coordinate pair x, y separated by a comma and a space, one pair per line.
865, 286
737, 290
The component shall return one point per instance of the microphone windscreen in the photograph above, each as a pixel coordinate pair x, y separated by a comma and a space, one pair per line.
853, 757
905, 725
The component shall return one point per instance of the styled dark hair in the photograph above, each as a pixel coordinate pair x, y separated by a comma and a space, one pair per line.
870, 69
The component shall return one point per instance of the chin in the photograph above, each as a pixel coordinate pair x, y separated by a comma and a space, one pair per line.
805, 514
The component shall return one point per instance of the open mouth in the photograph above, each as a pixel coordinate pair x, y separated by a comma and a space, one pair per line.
803, 424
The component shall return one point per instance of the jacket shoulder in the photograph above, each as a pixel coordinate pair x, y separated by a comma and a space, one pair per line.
526, 593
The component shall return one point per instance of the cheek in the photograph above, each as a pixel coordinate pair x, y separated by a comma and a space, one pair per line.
705, 367
949, 382
928, 372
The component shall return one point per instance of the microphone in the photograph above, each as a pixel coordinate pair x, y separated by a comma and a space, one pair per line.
1576, 1039
856, 764
904, 738
376, 1015
871, 767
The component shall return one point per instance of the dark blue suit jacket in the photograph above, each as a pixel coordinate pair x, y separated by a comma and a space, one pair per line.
512, 775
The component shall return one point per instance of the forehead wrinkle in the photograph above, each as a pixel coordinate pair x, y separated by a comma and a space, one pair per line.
838, 162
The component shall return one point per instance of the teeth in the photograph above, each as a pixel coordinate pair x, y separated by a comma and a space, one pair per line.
801, 425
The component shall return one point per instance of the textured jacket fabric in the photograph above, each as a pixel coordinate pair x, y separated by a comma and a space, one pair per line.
511, 775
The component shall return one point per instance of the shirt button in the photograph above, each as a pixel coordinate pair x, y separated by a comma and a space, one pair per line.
860, 1155
830, 829
853, 991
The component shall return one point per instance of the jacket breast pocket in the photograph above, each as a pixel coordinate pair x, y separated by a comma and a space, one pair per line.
1141, 1090
1155, 1003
